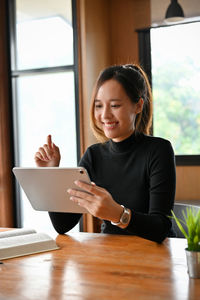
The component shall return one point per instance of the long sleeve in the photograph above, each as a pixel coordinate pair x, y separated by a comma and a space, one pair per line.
162, 178
140, 174
155, 225
63, 222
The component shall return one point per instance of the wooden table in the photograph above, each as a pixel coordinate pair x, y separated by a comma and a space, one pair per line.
100, 266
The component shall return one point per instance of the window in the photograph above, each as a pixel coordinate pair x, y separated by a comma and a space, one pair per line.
171, 57
176, 89
44, 72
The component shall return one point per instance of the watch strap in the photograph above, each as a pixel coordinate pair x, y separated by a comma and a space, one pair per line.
124, 218
118, 223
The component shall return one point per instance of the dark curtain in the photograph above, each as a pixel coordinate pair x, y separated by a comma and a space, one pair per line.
6, 147
144, 42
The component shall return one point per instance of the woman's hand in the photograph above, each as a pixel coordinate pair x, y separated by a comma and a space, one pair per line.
97, 201
48, 155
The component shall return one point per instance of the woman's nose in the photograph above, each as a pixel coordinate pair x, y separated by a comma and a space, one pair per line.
106, 113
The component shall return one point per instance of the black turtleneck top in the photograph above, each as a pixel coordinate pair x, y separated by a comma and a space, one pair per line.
139, 173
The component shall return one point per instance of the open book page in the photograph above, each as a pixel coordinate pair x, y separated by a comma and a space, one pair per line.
16, 232
20, 245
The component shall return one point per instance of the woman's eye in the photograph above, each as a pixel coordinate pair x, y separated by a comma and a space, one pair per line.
115, 105
97, 106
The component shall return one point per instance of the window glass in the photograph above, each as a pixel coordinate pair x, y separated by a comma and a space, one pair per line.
44, 100
45, 105
44, 34
176, 89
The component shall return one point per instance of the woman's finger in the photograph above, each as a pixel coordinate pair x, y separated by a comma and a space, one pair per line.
82, 203
49, 141
90, 188
38, 156
81, 194
54, 147
79, 201
48, 151
43, 153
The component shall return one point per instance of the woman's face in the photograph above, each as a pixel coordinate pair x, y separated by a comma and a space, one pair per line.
114, 112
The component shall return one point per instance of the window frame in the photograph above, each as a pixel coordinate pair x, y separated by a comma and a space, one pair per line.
15, 73
144, 42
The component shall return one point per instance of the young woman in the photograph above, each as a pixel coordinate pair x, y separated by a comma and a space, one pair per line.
133, 173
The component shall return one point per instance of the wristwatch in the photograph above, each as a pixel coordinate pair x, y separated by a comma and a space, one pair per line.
124, 219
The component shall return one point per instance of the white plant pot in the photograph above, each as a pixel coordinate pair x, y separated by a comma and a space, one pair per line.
193, 263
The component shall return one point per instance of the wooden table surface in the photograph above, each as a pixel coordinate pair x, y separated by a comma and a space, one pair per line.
100, 266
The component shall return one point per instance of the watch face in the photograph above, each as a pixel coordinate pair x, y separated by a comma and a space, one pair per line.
125, 218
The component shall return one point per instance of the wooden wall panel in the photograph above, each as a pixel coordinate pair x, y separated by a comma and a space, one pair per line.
125, 17
6, 200
188, 183
94, 55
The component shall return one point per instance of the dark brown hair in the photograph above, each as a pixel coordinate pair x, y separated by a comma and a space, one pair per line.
136, 85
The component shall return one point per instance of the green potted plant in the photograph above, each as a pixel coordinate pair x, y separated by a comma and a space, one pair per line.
191, 220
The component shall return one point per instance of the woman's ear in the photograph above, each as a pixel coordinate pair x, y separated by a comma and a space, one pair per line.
139, 106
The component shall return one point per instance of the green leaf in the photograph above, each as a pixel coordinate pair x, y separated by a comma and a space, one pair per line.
179, 225
191, 219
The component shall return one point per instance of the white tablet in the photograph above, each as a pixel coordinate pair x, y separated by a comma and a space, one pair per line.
46, 188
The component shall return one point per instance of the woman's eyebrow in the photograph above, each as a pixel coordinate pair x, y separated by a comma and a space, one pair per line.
98, 100
116, 99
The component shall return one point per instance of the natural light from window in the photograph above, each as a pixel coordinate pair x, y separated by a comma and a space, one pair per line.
45, 100
175, 54
46, 42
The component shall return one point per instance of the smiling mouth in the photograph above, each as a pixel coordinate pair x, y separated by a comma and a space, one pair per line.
110, 125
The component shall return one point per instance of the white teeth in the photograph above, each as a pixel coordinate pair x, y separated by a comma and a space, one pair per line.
110, 125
